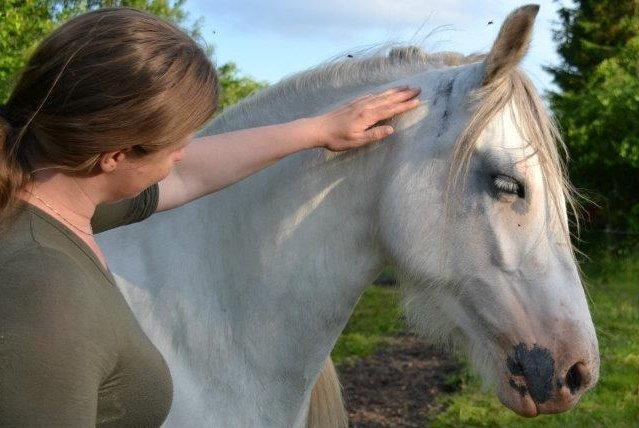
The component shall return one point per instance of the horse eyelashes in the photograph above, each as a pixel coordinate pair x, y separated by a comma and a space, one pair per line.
506, 184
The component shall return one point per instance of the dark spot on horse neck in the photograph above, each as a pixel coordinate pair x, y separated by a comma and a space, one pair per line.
445, 91
443, 126
448, 89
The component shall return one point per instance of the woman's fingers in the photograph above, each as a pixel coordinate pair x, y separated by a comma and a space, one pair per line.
390, 97
388, 111
389, 103
354, 124
402, 96
377, 133
362, 99
370, 98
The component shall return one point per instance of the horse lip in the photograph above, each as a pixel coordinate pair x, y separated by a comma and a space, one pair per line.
518, 401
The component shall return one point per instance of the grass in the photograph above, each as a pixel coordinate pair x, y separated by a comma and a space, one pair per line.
612, 276
376, 317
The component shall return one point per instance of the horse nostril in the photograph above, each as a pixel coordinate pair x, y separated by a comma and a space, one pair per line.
577, 377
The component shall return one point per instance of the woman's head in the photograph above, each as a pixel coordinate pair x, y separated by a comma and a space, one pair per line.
108, 80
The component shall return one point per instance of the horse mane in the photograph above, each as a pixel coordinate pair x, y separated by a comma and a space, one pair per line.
347, 72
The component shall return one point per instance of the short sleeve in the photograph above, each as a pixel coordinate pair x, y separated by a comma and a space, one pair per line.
52, 345
109, 216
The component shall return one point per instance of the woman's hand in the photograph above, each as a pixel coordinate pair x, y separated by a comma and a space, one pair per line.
353, 125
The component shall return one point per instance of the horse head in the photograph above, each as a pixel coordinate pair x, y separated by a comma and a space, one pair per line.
474, 216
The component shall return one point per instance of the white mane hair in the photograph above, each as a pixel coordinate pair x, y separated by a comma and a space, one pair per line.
345, 74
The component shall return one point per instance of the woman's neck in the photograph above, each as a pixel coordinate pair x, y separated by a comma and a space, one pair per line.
71, 200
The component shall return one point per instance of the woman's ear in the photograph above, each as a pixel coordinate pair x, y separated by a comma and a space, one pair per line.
111, 161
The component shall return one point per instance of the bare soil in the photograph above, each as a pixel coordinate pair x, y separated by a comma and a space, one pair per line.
398, 386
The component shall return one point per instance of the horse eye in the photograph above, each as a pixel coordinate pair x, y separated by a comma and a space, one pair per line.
507, 184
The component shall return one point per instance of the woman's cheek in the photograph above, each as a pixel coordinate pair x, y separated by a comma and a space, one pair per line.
178, 155
168, 167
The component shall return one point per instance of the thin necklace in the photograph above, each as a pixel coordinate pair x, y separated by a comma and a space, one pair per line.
90, 232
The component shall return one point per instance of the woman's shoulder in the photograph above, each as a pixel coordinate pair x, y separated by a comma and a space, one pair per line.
35, 254
51, 322
40, 275
47, 276
36, 267
42, 288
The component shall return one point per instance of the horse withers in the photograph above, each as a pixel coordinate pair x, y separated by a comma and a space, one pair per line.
246, 291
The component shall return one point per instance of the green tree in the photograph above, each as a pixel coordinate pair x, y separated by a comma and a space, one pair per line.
24, 23
598, 105
235, 87
591, 32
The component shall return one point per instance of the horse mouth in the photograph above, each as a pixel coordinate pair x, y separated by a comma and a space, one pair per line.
514, 393
515, 396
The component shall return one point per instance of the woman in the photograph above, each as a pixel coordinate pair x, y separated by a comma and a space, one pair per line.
103, 111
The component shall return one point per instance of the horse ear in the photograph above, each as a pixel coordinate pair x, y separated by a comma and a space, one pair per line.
512, 42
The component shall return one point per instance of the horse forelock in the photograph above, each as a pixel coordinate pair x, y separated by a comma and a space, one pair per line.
536, 126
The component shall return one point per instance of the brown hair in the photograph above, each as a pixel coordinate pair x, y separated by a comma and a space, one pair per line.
107, 80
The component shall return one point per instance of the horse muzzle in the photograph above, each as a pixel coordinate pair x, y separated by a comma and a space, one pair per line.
535, 383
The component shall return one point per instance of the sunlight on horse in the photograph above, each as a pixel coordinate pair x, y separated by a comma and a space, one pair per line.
291, 223
246, 291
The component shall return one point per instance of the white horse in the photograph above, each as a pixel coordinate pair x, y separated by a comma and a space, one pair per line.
246, 291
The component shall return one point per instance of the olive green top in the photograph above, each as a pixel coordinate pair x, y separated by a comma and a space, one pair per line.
71, 352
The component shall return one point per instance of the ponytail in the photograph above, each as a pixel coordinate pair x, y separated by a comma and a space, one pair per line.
13, 174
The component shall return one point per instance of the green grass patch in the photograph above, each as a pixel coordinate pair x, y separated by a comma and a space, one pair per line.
376, 317
612, 277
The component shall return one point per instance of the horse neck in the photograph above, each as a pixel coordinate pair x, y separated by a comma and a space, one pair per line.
305, 230
297, 247
306, 220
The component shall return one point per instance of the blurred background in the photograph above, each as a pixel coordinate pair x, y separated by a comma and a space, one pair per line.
584, 58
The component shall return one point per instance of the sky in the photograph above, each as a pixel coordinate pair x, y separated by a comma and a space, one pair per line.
269, 39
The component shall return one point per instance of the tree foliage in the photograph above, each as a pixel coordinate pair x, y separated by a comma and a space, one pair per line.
233, 86
24, 23
598, 107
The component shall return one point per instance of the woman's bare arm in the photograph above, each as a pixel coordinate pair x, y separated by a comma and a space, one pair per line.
212, 163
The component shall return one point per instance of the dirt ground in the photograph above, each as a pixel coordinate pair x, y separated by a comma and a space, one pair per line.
397, 386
